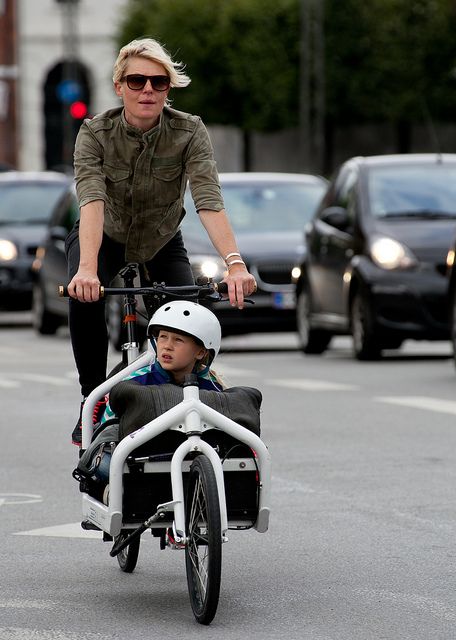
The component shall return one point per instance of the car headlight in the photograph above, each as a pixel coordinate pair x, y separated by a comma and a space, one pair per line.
8, 250
207, 266
388, 253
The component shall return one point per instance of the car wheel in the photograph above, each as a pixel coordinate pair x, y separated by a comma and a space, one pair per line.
312, 341
44, 322
365, 343
453, 323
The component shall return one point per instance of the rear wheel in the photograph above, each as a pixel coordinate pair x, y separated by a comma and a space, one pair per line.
128, 557
203, 551
44, 322
311, 340
366, 345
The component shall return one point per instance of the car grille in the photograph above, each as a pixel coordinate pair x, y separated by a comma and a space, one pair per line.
31, 251
273, 273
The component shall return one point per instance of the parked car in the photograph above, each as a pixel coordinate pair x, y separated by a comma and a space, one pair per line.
26, 203
267, 212
375, 265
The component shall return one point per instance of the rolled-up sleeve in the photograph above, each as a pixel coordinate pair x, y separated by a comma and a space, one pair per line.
88, 167
202, 172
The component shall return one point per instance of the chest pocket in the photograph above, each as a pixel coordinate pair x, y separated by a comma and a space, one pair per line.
166, 184
117, 185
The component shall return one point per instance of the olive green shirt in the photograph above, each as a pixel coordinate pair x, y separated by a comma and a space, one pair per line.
142, 176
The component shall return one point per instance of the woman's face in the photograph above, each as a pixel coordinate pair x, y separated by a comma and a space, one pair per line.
178, 354
143, 107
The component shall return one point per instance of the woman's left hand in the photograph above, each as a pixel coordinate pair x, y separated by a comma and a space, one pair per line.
241, 284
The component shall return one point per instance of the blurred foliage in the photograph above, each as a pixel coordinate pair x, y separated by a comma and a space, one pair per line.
390, 60
242, 56
386, 60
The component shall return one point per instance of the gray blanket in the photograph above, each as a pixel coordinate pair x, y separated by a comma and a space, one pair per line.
137, 404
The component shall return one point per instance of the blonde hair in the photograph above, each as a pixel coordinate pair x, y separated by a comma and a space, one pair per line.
152, 50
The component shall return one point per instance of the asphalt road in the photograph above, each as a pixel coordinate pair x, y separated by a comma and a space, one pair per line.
361, 543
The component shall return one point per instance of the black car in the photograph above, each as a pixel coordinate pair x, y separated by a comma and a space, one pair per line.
375, 265
26, 202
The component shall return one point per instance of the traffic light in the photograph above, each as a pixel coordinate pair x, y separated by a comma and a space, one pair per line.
66, 104
78, 110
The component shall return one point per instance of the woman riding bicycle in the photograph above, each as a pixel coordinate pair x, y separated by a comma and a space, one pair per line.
131, 168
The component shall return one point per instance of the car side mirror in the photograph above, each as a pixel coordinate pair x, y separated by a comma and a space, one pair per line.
336, 217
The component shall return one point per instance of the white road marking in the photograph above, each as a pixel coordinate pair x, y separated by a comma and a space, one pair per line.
26, 604
21, 633
312, 385
224, 370
71, 530
19, 498
419, 402
38, 377
7, 383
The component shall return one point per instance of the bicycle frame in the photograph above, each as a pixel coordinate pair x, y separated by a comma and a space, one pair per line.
191, 417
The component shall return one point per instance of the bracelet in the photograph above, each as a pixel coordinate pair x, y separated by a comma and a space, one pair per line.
230, 264
230, 255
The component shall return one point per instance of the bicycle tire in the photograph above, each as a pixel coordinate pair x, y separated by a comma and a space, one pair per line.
128, 557
203, 551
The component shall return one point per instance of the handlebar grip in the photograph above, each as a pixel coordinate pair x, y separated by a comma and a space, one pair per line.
63, 291
221, 287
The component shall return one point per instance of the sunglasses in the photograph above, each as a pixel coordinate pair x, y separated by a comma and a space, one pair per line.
136, 82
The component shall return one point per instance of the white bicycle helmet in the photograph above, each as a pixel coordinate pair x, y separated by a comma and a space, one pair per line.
190, 318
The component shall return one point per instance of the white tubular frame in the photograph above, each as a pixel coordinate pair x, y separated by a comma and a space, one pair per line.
191, 417
89, 405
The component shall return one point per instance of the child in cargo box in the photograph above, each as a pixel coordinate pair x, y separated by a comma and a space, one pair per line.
186, 337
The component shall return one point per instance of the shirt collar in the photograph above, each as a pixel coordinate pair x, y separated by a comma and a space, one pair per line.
139, 133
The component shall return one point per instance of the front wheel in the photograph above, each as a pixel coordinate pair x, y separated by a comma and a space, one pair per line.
203, 551
128, 557
312, 341
365, 342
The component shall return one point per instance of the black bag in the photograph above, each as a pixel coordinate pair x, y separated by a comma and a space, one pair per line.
136, 404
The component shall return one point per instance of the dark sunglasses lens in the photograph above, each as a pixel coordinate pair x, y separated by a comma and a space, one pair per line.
136, 82
160, 83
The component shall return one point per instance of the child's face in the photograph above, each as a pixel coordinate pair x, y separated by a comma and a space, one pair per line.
178, 354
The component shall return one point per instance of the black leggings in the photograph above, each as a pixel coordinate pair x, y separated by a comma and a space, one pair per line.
87, 320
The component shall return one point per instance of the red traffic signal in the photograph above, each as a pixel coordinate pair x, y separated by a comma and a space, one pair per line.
78, 110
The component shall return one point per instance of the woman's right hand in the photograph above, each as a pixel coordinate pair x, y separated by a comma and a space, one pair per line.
85, 286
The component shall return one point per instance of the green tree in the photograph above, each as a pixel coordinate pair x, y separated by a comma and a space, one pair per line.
242, 56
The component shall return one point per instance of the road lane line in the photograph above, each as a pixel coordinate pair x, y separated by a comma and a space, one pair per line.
38, 377
7, 383
312, 385
418, 402
22, 633
71, 530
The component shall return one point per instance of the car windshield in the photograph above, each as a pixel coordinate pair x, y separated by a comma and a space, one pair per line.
263, 207
28, 202
425, 191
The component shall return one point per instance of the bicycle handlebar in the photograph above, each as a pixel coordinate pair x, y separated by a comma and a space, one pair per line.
196, 290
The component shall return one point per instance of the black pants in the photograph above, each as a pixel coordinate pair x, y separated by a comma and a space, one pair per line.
87, 320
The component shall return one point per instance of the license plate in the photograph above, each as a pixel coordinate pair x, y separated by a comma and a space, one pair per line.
283, 300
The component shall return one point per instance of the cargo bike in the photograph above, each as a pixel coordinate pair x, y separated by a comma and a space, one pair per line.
189, 474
